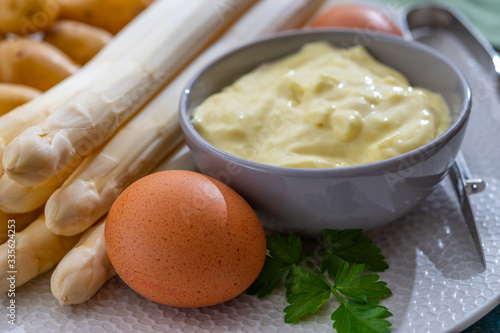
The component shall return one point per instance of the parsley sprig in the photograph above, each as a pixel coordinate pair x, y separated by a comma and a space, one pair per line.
344, 256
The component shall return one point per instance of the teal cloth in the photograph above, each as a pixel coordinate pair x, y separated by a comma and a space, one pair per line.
488, 324
484, 14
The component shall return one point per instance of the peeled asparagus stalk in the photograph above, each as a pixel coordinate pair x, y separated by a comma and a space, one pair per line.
35, 111
20, 220
84, 269
36, 251
179, 159
154, 132
19, 199
91, 117
91, 190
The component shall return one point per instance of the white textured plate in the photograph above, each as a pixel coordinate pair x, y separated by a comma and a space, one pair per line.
434, 273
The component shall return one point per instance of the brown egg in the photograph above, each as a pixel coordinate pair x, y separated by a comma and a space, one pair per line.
184, 239
356, 16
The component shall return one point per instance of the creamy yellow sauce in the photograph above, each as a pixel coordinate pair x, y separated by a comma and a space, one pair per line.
321, 107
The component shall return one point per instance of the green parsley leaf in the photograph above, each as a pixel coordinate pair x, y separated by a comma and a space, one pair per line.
269, 278
349, 245
286, 250
346, 255
284, 255
373, 301
360, 317
311, 292
293, 278
359, 288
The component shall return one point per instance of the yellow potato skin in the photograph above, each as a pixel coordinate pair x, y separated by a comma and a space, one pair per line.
12, 95
77, 39
34, 63
25, 17
111, 15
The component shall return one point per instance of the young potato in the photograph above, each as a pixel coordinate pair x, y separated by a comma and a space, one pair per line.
78, 40
25, 17
111, 15
33, 63
12, 95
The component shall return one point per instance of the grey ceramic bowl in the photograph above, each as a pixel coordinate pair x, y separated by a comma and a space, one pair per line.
306, 201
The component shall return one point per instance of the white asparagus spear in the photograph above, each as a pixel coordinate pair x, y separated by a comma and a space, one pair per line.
179, 159
84, 269
19, 199
155, 131
33, 112
93, 187
91, 117
36, 251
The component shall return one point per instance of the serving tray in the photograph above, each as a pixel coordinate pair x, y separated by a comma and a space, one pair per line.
437, 281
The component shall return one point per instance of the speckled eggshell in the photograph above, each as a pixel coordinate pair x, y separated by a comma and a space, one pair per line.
184, 239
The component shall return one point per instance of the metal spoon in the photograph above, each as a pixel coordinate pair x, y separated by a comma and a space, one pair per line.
417, 19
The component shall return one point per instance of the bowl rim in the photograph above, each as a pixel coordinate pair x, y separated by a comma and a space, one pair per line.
366, 169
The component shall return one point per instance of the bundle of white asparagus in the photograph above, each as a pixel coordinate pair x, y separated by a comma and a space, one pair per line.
35, 111
87, 119
84, 152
